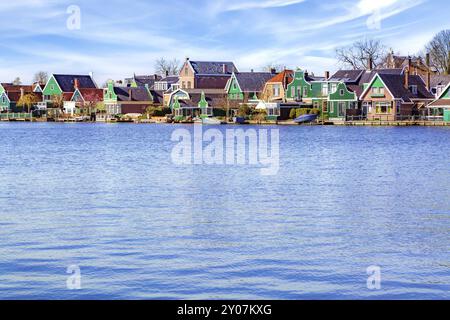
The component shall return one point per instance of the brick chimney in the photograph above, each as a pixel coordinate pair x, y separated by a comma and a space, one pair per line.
76, 84
370, 63
167, 73
428, 62
224, 69
327, 75
130, 94
407, 78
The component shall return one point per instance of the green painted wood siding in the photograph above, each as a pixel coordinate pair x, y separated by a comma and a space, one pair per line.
109, 96
52, 88
234, 92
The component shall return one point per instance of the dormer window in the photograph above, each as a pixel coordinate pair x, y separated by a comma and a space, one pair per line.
413, 89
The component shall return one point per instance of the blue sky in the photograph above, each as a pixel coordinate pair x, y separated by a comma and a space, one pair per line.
119, 38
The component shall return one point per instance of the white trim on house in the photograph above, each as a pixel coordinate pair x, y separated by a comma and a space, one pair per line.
377, 75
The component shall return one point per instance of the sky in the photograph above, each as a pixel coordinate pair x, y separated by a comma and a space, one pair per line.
116, 39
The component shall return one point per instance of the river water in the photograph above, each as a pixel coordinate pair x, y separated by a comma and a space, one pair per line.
110, 200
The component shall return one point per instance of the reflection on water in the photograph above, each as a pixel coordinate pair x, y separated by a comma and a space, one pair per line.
108, 198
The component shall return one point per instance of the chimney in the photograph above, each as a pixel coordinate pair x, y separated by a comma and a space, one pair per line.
306, 74
76, 84
167, 73
130, 94
407, 78
428, 62
327, 75
370, 63
224, 69
187, 59
252, 71
273, 71
155, 77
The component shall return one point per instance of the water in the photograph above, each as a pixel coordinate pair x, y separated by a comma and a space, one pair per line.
108, 199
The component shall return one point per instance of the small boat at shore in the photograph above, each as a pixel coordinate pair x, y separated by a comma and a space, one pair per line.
211, 121
307, 118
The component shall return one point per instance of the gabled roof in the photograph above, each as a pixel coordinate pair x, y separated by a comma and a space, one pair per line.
137, 94
395, 84
212, 67
9, 87
211, 82
439, 80
89, 94
347, 76
252, 81
67, 82
147, 80
170, 79
282, 77
214, 100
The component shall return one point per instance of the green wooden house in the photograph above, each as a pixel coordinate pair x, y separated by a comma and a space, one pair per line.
310, 90
340, 100
441, 106
247, 87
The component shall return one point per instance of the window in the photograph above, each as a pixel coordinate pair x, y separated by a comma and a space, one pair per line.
189, 85
333, 87
292, 92
324, 89
276, 91
52, 87
305, 91
413, 89
331, 106
186, 73
183, 85
383, 107
341, 92
341, 109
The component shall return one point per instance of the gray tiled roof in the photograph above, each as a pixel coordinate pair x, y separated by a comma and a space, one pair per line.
212, 67
253, 81
67, 82
137, 94
396, 85
439, 80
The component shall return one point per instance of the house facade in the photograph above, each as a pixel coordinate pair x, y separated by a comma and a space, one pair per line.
247, 87
440, 108
205, 74
394, 97
196, 103
275, 89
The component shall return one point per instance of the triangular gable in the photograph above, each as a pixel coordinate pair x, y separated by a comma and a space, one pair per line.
76, 94
48, 82
176, 95
203, 104
230, 81
366, 90
4, 94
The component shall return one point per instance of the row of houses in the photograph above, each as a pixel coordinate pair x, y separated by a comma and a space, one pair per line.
405, 87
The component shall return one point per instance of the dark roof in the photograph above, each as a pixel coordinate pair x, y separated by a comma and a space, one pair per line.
137, 94
253, 81
213, 67
158, 96
67, 82
347, 76
147, 80
170, 79
396, 85
211, 82
14, 96
439, 80
214, 100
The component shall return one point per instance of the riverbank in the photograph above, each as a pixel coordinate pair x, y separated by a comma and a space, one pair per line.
361, 123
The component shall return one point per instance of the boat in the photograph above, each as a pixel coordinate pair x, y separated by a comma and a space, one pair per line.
239, 120
211, 121
307, 118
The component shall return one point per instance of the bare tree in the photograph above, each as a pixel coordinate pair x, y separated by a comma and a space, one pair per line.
439, 49
41, 77
274, 66
163, 66
358, 55
17, 81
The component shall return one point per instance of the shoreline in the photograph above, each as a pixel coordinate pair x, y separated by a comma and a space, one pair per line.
418, 123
